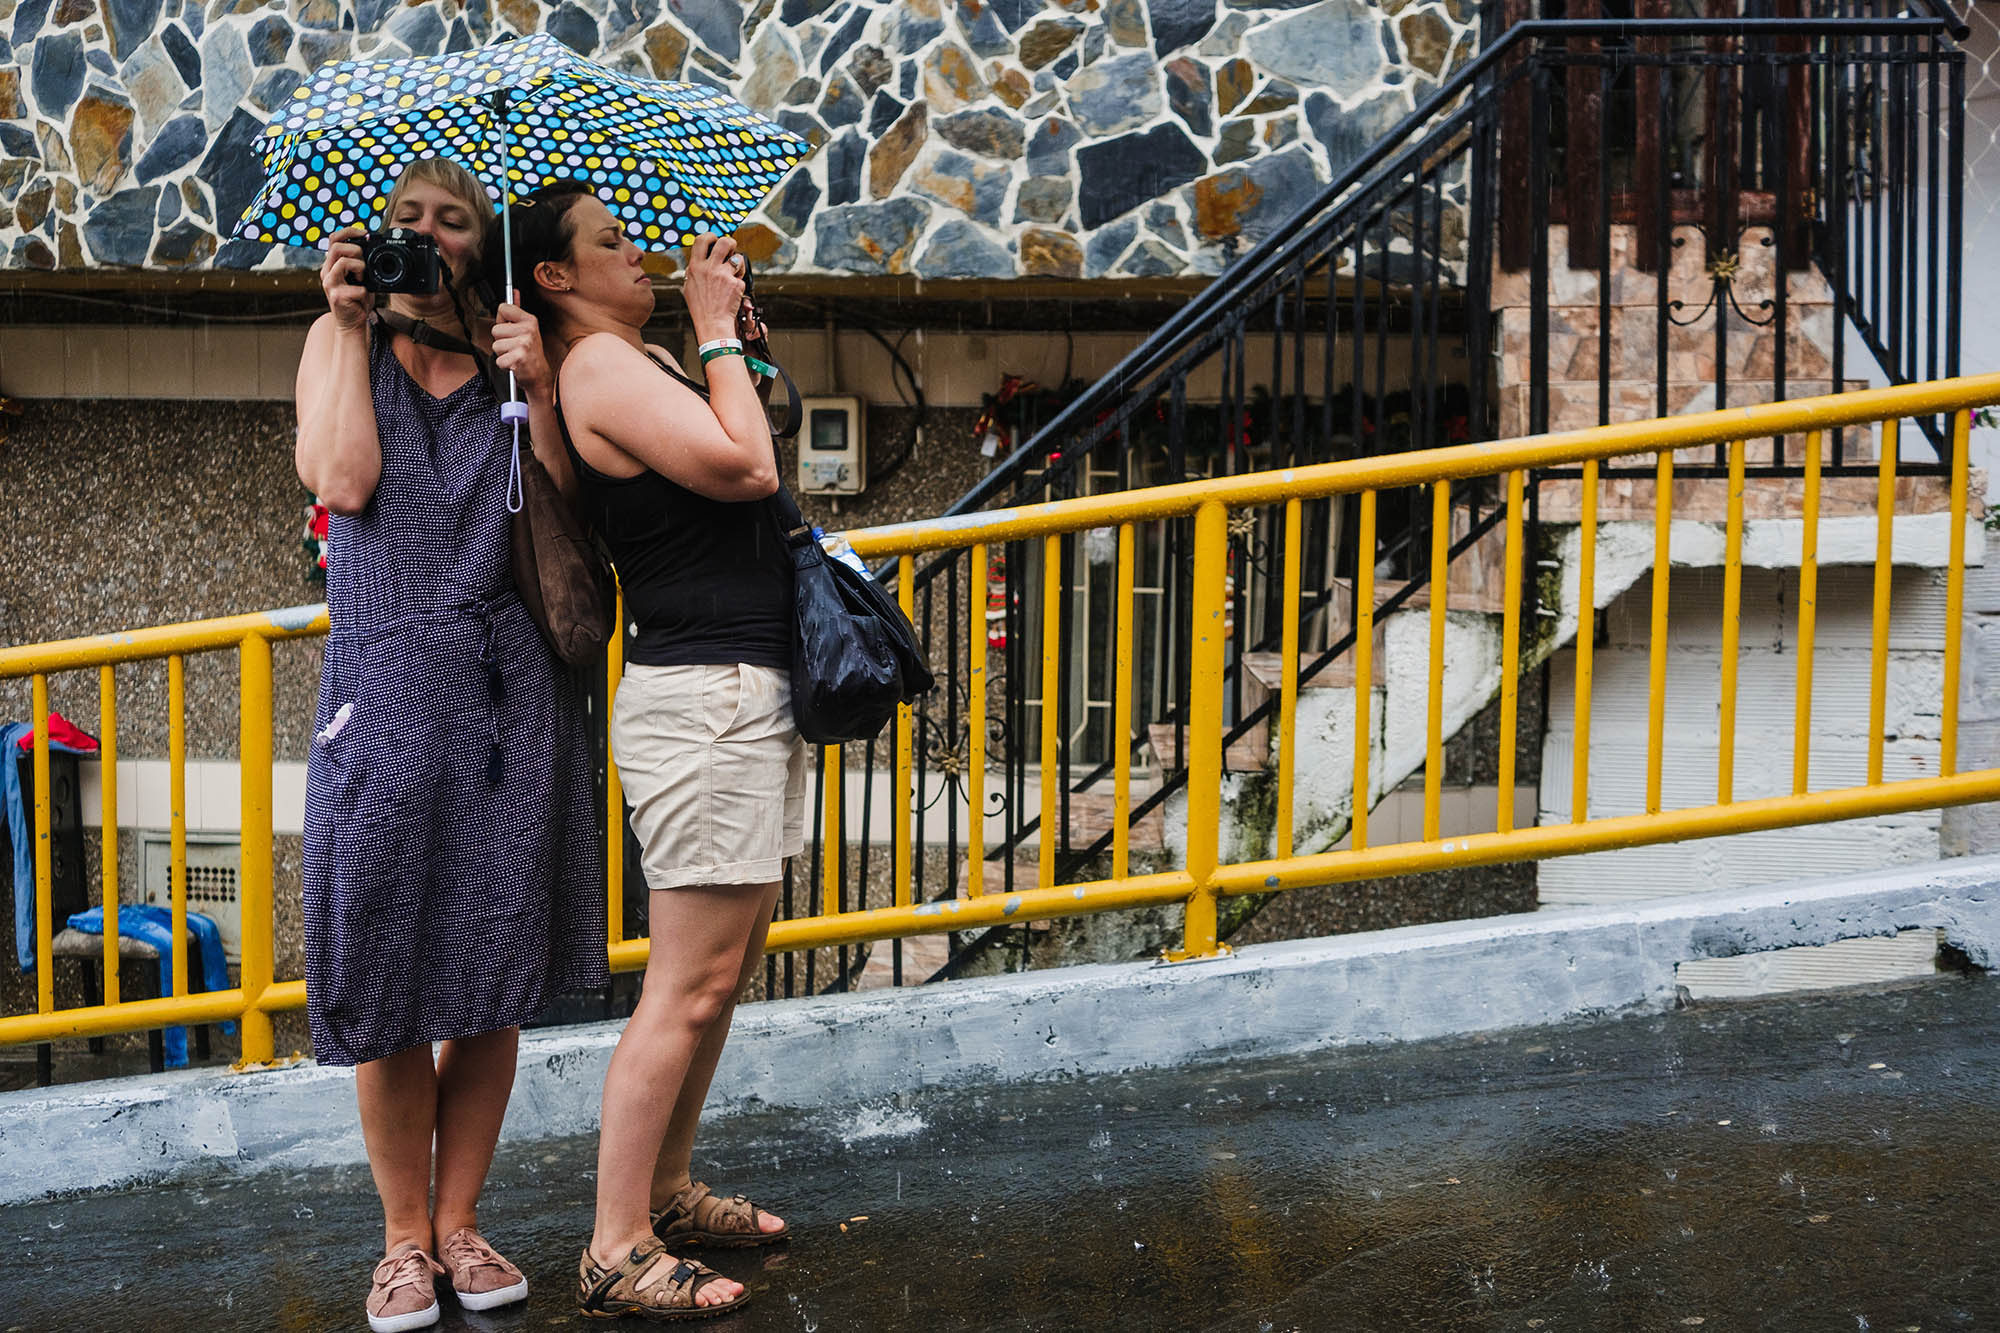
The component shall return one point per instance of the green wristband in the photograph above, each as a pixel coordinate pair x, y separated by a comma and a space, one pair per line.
714, 352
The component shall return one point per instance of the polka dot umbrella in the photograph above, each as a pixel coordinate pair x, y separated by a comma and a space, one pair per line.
668, 159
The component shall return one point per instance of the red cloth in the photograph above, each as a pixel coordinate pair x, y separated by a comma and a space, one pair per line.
65, 733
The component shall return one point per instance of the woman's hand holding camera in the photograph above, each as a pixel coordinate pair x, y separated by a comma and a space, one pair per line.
517, 348
340, 275
750, 324
714, 288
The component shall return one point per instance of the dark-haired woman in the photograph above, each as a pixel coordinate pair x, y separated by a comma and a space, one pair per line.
451, 883
675, 478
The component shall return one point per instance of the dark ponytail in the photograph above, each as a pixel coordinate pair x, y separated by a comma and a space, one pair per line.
542, 233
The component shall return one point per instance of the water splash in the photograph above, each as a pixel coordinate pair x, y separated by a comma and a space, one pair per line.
877, 1122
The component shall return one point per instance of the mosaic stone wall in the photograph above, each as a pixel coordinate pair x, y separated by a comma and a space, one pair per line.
957, 138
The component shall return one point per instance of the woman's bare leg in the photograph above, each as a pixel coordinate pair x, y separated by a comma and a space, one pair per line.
399, 1101
691, 979
677, 1152
475, 1075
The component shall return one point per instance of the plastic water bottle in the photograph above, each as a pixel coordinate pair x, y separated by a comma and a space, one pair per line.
837, 546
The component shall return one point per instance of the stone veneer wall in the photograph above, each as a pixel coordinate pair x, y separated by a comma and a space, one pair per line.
957, 138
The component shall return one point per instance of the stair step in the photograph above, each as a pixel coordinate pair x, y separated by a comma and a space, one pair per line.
1250, 754
1091, 814
1267, 670
922, 955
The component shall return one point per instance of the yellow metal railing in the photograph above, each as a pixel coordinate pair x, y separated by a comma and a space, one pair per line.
1201, 879
257, 995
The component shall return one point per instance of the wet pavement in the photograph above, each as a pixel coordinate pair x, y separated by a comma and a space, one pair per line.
1794, 1164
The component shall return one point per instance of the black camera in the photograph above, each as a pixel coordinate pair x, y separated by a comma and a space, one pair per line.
399, 260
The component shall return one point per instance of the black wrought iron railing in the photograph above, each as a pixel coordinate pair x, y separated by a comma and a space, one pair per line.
1599, 217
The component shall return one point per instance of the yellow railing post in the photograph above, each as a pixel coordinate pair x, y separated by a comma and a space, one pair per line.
1656, 674
107, 789
1052, 590
45, 979
177, 816
1434, 708
1732, 628
1364, 671
903, 871
254, 758
1204, 726
1510, 652
833, 832
1885, 569
975, 720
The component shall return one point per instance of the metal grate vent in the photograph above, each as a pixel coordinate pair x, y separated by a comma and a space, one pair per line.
214, 866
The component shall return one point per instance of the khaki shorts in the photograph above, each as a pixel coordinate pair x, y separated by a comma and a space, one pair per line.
714, 772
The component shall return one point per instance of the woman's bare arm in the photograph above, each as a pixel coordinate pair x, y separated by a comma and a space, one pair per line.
720, 448
338, 453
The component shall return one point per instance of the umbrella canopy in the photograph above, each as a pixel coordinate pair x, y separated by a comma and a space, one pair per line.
668, 159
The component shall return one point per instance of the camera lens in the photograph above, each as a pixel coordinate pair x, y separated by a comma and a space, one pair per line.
388, 267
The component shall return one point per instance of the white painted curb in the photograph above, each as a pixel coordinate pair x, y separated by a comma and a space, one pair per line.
1275, 999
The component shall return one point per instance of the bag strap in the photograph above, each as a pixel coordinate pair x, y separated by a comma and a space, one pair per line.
784, 509
795, 414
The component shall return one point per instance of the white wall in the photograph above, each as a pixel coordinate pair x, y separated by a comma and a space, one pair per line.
1766, 694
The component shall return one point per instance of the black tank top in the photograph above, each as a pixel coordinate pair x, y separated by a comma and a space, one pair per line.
707, 581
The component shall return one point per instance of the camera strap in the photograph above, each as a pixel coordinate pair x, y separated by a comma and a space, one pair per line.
420, 331
423, 333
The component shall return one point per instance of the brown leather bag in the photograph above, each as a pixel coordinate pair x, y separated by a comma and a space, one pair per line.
560, 572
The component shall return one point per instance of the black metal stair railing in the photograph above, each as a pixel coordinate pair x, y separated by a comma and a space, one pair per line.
1373, 321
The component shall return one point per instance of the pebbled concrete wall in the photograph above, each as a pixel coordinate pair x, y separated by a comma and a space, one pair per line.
1396, 985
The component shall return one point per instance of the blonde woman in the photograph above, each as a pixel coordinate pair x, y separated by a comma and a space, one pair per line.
451, 883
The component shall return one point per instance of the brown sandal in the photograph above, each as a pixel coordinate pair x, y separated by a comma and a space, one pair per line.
698, 1216
651, 1284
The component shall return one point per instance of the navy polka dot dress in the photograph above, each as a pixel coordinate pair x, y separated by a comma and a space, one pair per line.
453, 864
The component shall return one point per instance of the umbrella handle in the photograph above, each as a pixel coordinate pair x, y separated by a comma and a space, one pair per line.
514, 412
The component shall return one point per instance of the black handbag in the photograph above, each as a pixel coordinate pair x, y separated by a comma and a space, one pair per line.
855, 655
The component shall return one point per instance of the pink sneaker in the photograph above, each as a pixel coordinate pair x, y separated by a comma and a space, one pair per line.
404, 1294
479, 1275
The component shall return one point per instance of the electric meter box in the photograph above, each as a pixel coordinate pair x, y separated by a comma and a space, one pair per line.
833, 451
